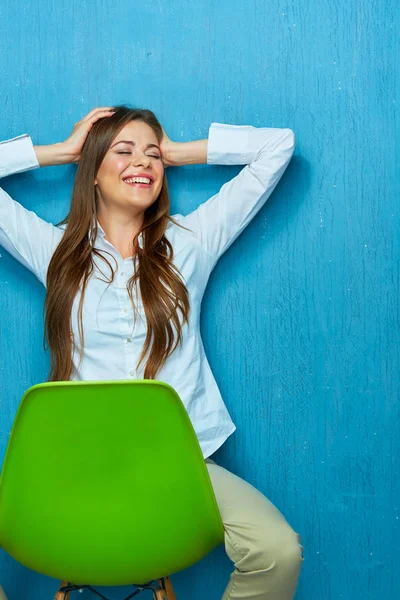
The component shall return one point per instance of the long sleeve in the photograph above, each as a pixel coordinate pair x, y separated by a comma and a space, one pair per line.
17, 155
266, 152
27, 237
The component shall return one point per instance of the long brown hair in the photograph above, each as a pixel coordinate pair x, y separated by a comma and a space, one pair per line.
161, 286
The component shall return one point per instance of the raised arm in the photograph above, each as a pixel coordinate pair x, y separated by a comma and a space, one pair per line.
27, 237
266, 152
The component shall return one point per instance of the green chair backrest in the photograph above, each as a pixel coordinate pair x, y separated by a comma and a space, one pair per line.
104, 483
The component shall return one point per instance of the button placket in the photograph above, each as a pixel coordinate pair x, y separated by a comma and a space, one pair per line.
126, 325
129, 342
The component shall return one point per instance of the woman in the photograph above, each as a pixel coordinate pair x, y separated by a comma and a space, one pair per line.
138, 316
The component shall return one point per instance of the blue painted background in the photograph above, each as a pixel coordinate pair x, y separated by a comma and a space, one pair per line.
301, 316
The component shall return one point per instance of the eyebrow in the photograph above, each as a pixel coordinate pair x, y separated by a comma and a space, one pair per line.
133, 143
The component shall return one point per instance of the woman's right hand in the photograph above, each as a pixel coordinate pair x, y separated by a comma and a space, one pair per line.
74, 143
70, 151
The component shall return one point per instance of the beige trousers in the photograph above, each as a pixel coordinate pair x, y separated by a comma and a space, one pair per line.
265, 550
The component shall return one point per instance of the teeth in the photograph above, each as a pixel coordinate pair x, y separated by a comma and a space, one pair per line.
138, 180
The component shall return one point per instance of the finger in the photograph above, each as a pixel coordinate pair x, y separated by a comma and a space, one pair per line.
96, 110
100, 115
89, 121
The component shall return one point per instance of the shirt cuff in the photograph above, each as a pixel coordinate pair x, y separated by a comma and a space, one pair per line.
237, 144
17, 155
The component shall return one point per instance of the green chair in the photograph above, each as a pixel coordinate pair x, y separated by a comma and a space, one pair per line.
104, 483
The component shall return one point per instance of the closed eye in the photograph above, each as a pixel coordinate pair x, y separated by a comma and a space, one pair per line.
152, 155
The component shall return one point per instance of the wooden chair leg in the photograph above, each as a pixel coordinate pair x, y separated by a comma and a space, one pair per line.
60, 595
2, 594
167, 591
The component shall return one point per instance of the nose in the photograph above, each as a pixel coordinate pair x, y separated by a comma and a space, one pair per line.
141, 159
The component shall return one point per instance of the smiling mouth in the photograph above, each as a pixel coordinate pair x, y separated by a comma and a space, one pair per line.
138, 184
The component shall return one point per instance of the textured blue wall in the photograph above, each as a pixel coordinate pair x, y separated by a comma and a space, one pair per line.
301, 316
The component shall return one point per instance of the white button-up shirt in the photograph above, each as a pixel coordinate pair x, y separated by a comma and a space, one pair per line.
112, 343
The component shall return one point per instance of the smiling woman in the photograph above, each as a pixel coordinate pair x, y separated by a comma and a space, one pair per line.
161, 263
142, 320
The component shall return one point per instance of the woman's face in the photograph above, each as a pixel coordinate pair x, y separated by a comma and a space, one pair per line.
134, 151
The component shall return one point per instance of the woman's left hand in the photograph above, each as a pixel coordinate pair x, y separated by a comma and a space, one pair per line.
176, 154
166, 147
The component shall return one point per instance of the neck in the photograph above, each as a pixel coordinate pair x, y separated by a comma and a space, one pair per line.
120, 230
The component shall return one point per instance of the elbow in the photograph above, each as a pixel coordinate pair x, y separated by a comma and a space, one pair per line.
290, 139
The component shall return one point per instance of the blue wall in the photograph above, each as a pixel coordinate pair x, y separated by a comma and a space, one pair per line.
301, 316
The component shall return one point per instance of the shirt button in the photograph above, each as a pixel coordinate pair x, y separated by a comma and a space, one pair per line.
132, 373
126, 340
125, 310
123, 273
